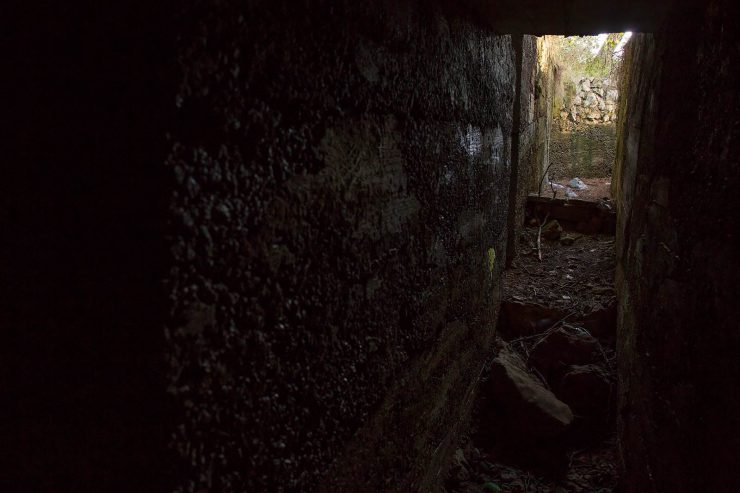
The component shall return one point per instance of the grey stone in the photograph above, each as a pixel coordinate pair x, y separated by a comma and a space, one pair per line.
525, 319
568, 345
531, 409
552, 230
577, 184
586, 389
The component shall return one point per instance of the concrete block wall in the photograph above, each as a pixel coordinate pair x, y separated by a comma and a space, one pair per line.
533, 120
336, 234
249, 246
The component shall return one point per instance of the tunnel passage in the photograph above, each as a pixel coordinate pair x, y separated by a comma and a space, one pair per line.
248, 251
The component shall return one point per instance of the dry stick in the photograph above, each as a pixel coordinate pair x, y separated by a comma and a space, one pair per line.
606, 358
539, 238
542, 378
539, 190
552, 327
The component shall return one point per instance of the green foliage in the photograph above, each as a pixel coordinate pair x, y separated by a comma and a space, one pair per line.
581, 56
606, 59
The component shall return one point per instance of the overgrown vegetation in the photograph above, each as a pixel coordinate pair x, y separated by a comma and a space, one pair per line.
587, 56
578, 57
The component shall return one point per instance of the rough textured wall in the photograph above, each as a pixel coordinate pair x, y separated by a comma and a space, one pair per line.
341, 177
678, 270
545, 87
534, 121
586, 150
590, 100
584, 135
538, 88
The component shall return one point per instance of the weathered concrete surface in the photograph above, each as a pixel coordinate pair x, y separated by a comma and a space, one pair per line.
544, 89
337, 222
586, 151
533, 121
678, 271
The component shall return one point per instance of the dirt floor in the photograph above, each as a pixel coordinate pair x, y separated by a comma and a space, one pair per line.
590, 470
574, 278
598, 188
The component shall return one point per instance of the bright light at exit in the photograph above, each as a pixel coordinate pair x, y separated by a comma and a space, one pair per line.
601, 38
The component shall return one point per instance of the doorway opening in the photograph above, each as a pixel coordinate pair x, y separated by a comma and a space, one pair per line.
583, 133
545, 418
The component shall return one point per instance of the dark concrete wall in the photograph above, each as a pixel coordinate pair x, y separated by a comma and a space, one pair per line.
537, 125
341, 187
533, 134
533, 126
677, 275
333, 201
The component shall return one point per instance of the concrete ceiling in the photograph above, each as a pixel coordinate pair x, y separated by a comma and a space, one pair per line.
570, 17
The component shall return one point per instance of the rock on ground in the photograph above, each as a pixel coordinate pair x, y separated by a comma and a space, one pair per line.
530, 410
552, 230
565, 346
586, 389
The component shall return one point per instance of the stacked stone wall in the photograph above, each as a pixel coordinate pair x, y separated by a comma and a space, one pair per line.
583, 139
590, 100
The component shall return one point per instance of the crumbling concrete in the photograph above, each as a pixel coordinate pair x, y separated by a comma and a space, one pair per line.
533, 119
337, 222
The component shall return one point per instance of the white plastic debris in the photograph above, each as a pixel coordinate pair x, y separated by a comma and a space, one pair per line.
556, 185
577, 184
570, 193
